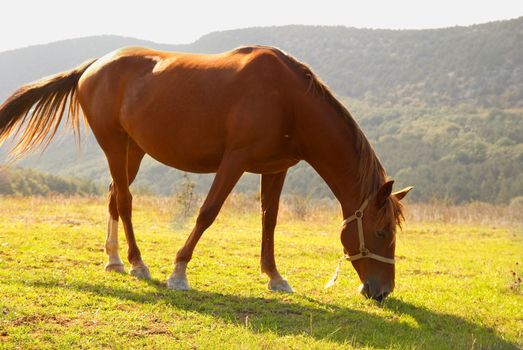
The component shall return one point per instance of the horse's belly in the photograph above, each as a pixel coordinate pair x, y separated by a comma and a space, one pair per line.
195, 162
202, 151
188, 149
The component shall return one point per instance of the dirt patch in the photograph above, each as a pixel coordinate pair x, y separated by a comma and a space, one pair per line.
33, 319
152, 329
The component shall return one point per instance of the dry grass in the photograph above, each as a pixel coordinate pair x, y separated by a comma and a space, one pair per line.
320, 210
472, 213
310, 209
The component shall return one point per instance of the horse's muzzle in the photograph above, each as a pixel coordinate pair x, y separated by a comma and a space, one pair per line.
371, 289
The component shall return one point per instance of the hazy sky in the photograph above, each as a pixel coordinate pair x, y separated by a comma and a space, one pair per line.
26, 23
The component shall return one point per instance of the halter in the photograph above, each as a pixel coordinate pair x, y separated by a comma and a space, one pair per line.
364, 252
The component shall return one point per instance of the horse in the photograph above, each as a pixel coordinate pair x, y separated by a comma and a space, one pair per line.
253, 109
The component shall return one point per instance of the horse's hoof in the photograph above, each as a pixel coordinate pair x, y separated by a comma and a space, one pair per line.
280, 286
178, 283
140, 271
115, 267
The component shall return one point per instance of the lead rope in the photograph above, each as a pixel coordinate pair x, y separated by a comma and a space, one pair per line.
336, 273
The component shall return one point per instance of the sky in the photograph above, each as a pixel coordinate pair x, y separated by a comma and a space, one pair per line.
27, 23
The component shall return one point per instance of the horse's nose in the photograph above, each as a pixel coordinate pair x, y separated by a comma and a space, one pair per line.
371, 289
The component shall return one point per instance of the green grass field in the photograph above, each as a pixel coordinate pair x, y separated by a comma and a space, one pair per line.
453, 285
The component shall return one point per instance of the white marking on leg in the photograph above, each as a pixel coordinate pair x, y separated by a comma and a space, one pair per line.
111, 247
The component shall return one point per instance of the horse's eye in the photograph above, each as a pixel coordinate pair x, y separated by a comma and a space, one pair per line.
381, 234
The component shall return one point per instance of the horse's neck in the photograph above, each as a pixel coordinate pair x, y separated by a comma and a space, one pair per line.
328, 147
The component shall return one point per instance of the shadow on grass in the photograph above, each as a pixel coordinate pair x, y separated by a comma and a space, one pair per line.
421, 328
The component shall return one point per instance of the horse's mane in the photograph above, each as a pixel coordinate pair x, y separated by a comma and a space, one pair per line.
371, 174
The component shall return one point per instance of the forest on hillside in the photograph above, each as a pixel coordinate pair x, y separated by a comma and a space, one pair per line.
443, 108
28, 182
481, 65
459, 154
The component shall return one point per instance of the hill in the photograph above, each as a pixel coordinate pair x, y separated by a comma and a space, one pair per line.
29, 182
443, 107
480, 64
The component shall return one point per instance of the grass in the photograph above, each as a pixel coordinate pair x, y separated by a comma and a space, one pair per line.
453, 284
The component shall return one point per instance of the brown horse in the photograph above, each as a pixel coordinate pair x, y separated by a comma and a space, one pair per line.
253, 109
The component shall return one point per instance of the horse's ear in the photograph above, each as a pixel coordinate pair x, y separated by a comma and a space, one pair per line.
402, 193
384, 193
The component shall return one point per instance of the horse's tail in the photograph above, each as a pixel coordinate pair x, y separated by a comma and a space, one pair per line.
38, 125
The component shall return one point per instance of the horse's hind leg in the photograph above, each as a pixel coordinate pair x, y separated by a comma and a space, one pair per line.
271, 186
134, 158
229, 172
116, 150
111, 242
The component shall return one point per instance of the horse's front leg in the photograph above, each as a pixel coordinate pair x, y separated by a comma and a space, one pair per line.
229, 172
271, 186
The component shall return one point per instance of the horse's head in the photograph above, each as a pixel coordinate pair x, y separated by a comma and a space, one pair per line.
368, 238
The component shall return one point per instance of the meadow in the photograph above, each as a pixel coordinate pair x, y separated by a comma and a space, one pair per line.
456, 286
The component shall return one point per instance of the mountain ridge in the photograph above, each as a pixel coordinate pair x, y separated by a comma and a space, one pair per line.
427, 66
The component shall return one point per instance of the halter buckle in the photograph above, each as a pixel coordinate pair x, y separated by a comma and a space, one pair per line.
364, 252
358, 214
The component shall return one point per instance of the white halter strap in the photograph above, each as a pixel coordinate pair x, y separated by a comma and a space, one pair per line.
364, 252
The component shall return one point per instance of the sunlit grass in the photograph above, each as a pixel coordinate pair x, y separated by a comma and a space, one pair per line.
452, 287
